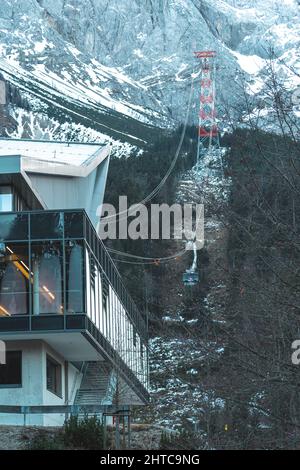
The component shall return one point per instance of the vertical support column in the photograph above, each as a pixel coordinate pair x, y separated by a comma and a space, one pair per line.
129, 430
66, 374
63, 310
2, 93
117, 417
36, 287
104, 431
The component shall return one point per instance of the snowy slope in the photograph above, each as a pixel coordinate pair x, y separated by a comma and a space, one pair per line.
65, 87
134, 58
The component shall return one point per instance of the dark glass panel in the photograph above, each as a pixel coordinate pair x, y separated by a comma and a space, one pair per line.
89, 233
101, 255
93, 241
14, 279
75, 277
15, 323
74, 225
47, 274
13, 226
46, 225
6, 199
76, 322
54, 379
47, 322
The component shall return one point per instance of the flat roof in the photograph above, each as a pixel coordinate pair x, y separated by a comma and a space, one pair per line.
68, 153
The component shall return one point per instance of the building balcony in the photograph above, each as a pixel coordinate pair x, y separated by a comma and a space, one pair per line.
59, 284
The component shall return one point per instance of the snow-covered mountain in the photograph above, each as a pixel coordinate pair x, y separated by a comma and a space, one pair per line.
122, 68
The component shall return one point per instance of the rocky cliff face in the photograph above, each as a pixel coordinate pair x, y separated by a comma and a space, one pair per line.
135, 57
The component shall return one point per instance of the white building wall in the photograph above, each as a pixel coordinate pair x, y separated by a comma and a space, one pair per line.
50, 398
34, 385
31, 392
74, 381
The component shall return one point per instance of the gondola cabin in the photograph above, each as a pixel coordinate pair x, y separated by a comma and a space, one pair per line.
190, 278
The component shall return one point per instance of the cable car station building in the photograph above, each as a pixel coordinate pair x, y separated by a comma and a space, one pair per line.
73, 334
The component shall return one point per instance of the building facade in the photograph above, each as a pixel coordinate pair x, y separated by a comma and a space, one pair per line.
73, 334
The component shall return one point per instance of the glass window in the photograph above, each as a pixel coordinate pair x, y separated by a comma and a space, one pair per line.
13, 226
14, 279
11, 372
92, 281
19, 203
47, 277
75, 277
73, 225
47, 225
54, 381
6, 202
88, 233
6, 199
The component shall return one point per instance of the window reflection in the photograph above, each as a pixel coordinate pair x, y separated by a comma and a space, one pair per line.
65, 270
47, 277
75, 277
13, 226
14, 279
6, 202
6, 199
73, 223
47, 225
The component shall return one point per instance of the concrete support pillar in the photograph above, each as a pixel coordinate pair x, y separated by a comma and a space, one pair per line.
36, 287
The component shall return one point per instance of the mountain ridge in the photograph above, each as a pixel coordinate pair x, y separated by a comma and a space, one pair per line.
133, 60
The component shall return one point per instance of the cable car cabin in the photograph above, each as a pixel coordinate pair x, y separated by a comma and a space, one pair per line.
190, 278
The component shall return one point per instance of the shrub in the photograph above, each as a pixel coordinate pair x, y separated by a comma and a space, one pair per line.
45, 441
86, 433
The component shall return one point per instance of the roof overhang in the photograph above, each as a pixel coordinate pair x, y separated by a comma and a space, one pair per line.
59, 168
56, 175
11, 174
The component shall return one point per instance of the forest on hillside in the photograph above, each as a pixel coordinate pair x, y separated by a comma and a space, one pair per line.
255, 376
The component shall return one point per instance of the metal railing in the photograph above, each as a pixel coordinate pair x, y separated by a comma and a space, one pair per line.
65, 225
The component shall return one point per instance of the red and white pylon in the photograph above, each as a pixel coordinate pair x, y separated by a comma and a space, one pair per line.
208, 135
